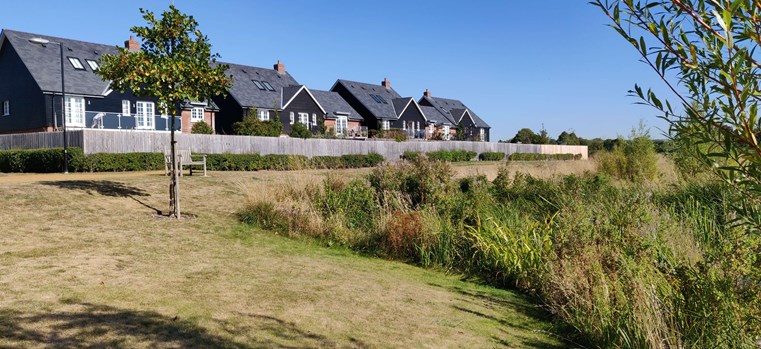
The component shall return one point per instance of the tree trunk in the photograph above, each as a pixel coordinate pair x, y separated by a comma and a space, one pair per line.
174, 182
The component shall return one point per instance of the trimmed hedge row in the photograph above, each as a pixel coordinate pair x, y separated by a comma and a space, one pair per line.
535, 156
51, 160
452, 155
491, 156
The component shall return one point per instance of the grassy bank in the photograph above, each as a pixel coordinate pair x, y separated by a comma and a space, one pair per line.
85, 262
626, 265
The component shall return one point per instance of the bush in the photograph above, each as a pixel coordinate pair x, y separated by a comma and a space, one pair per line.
252, 126
491, 156
201, 127
39, 160
300, 130
451, 155
346, 161
107, 162
537, 157
633, 160
410, 155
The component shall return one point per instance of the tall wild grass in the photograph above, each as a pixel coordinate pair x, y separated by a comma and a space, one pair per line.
626, 265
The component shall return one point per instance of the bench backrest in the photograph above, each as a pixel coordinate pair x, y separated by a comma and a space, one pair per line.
183, 154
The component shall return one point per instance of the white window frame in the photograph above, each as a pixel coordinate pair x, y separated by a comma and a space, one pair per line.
93, 64
446, 132
6, 108
196, 114
75, 111
314, 119
304, 118
293, 118
385, 125
76, 63
342, 124
264, 115
482, 134
126, 107
145, 115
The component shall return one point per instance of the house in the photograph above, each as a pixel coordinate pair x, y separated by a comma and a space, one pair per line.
382, 108
469, 125
340, 117
30, 89
273, 93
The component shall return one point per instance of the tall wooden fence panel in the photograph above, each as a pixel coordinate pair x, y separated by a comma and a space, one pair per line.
115, 141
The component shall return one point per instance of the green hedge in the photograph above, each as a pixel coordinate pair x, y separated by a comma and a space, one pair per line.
535, 156
451, 155
410, 155
51, 160
491, 156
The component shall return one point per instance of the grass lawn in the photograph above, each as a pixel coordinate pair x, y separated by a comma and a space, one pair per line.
86, 262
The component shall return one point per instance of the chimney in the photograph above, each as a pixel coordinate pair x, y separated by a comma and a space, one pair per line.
132, 45
427, 93
386, 83
280, 67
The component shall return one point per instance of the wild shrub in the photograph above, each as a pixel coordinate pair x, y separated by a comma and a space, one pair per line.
250, 125
300, 130
201, 127
410, 155
264, 215
632, 160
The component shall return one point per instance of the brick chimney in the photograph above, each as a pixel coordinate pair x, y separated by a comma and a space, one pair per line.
280, 67
132, 45
386, 83
427, 93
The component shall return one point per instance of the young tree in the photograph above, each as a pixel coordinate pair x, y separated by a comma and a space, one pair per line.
706, 52
525, 136
174, 64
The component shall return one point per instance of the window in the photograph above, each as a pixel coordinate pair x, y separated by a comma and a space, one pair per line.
304, 118
259, 85
75, 111
404, 125
6, 108
293, 117
144, 113
341, 125
76, 63
314, 119
446, 132
196, 114
482, 135
385, 124
268, 86
93, 64
126, 108
264, 115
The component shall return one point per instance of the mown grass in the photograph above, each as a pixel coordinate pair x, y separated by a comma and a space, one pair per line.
86, 262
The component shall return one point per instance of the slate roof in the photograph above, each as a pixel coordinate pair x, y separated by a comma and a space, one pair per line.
399, 104
434, 115
249, 95
43, 62
335, 104
362, 92
452, 106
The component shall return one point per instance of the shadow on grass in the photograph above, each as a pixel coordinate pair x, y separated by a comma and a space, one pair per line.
100, 326
105, 188
499, 307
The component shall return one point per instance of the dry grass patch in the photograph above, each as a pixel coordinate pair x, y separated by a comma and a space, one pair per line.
84, 263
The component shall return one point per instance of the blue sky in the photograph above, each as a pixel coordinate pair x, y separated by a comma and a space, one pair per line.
515, 63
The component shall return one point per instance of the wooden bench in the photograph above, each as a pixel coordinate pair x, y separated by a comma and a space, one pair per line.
184, 158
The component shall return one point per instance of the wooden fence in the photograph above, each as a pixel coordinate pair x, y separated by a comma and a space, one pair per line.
119, 141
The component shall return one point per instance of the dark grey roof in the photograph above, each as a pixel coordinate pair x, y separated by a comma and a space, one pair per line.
446, 105
248, 94
43, 62
432, 114
362, 92
207, 104
399, 104
289, 92
335, 104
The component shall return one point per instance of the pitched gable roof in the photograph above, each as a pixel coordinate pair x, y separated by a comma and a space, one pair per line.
43, 62
334, 105
248, 94
456, 109
290, 92
434, 115
381, 108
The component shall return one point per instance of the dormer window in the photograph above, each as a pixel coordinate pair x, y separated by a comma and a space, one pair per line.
93, 64
76, 63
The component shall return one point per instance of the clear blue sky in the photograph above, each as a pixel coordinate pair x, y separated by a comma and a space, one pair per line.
515, 63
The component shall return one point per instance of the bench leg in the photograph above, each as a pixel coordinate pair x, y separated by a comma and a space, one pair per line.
204, 168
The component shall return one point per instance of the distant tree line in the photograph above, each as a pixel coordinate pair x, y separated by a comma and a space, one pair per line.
528, 136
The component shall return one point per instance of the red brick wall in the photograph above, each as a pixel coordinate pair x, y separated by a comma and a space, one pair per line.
187, 125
